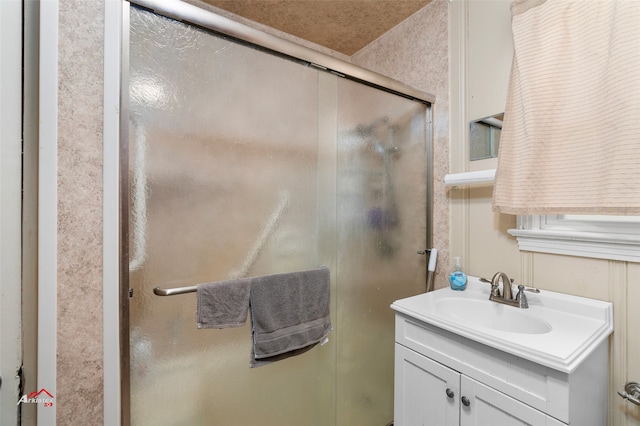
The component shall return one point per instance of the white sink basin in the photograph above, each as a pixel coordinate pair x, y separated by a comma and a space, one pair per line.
485, 313
557, 330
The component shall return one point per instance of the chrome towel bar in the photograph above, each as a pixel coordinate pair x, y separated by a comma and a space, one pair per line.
631, 393
173, 291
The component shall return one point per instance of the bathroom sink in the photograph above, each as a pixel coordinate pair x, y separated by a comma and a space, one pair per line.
557, 330
485, 313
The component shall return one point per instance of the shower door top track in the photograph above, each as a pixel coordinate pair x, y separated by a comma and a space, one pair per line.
188, 13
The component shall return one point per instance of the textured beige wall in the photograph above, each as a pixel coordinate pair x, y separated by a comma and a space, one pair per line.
79, 354
415, 52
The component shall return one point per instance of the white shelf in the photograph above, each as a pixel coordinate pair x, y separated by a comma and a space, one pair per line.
482, 177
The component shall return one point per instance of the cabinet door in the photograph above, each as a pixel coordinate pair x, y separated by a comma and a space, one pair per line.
426, 393
486, 406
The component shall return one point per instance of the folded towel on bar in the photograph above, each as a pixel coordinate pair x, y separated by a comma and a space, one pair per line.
289, 314
223, 304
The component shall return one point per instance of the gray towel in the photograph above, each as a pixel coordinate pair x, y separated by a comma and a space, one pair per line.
289, 314
223, 304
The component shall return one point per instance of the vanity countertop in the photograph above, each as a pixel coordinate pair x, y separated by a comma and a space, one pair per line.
558, 330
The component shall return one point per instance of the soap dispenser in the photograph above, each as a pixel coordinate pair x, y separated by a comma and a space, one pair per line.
457, 278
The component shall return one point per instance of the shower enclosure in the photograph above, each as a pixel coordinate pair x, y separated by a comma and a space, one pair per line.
240, 161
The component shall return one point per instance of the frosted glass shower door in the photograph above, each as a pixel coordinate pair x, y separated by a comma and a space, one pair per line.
242, 163
381, 224
223, 160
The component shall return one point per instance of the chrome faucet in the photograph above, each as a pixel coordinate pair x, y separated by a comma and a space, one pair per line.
507, 295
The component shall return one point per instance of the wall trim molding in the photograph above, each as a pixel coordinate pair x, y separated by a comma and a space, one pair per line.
618, 362
458, 148
10, 208
573, 243
48, 208
113, 11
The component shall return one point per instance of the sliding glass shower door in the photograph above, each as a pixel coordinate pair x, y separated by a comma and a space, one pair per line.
380, 221
243, 163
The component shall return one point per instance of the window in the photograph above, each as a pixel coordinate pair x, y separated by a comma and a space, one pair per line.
602, 237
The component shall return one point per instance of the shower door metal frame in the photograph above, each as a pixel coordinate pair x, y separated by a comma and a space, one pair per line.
193, 15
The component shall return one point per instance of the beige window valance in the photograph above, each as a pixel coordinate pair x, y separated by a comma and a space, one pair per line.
570, 140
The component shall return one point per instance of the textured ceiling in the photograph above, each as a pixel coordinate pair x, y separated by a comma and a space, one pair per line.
345, 26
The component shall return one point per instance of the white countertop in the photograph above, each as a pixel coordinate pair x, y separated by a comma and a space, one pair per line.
577, 324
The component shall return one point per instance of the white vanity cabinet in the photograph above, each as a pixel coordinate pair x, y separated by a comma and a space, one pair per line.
420, 392
428, 393
444, 379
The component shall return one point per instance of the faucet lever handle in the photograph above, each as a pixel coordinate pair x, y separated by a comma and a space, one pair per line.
529, 289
